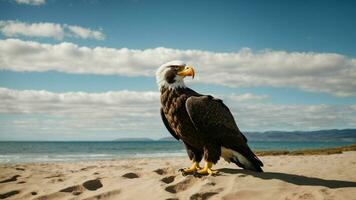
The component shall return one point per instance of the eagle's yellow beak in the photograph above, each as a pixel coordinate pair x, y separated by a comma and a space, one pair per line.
187, 71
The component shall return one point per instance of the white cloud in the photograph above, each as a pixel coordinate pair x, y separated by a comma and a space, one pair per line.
246, 97
262, 117
16, 28
85, 33
52, 30
120, 103
318, 72
138, 112
79, 112
31, 2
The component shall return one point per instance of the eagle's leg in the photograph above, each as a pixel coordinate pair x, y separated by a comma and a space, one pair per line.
195, 155
212, 152
207, 169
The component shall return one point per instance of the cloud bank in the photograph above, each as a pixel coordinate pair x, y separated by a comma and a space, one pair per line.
131, 111
75, 113
79, 103
31, 2
318, 72
246, 97
51, 30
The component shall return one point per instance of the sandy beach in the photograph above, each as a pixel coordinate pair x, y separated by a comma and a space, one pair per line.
286, 177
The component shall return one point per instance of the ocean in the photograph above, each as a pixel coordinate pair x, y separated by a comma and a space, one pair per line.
28, 152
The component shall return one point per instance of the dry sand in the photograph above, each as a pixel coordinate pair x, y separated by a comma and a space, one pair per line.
285, 177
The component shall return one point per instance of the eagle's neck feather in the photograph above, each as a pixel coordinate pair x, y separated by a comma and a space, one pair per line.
168, 95
176, 85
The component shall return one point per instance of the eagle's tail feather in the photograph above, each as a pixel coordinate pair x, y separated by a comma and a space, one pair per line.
243, 157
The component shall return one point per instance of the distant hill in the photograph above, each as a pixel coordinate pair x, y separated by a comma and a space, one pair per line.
133, 139
334, 135
167, 139
346, 135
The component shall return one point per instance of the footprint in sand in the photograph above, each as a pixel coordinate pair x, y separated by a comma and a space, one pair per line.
92, 184
130, 175
324, 191
113, 194
75, 190
55, 180
54, 176
326, 194
86, 168
306, 196
161, 171
210, 184
181, 186
14, 178
202, 196
168, 179
9, 194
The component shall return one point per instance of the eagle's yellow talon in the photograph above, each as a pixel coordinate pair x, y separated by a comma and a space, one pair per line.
207, 169
212, 172
195, 167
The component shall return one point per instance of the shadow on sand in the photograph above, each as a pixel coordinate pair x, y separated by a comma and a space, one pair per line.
292, 178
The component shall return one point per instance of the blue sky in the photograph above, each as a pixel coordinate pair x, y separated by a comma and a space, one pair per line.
206, 25
294, 58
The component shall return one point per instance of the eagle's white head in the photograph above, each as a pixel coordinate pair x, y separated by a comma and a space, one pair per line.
171, 74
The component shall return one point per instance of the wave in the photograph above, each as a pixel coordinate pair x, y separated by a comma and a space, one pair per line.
36, 158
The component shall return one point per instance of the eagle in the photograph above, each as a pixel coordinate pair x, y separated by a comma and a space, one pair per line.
203, 123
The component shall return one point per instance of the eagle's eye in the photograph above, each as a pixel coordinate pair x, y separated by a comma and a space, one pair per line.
178, 68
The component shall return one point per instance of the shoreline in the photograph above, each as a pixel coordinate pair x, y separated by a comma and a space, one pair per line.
259, 153
321, 151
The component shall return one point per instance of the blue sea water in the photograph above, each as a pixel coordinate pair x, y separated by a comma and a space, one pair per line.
27, 152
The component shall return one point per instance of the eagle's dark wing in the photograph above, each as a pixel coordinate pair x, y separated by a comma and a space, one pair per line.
165, 122
214, 120
207, 113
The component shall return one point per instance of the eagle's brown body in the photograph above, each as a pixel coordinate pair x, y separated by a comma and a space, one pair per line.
173, 106
203, 123
178, 121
